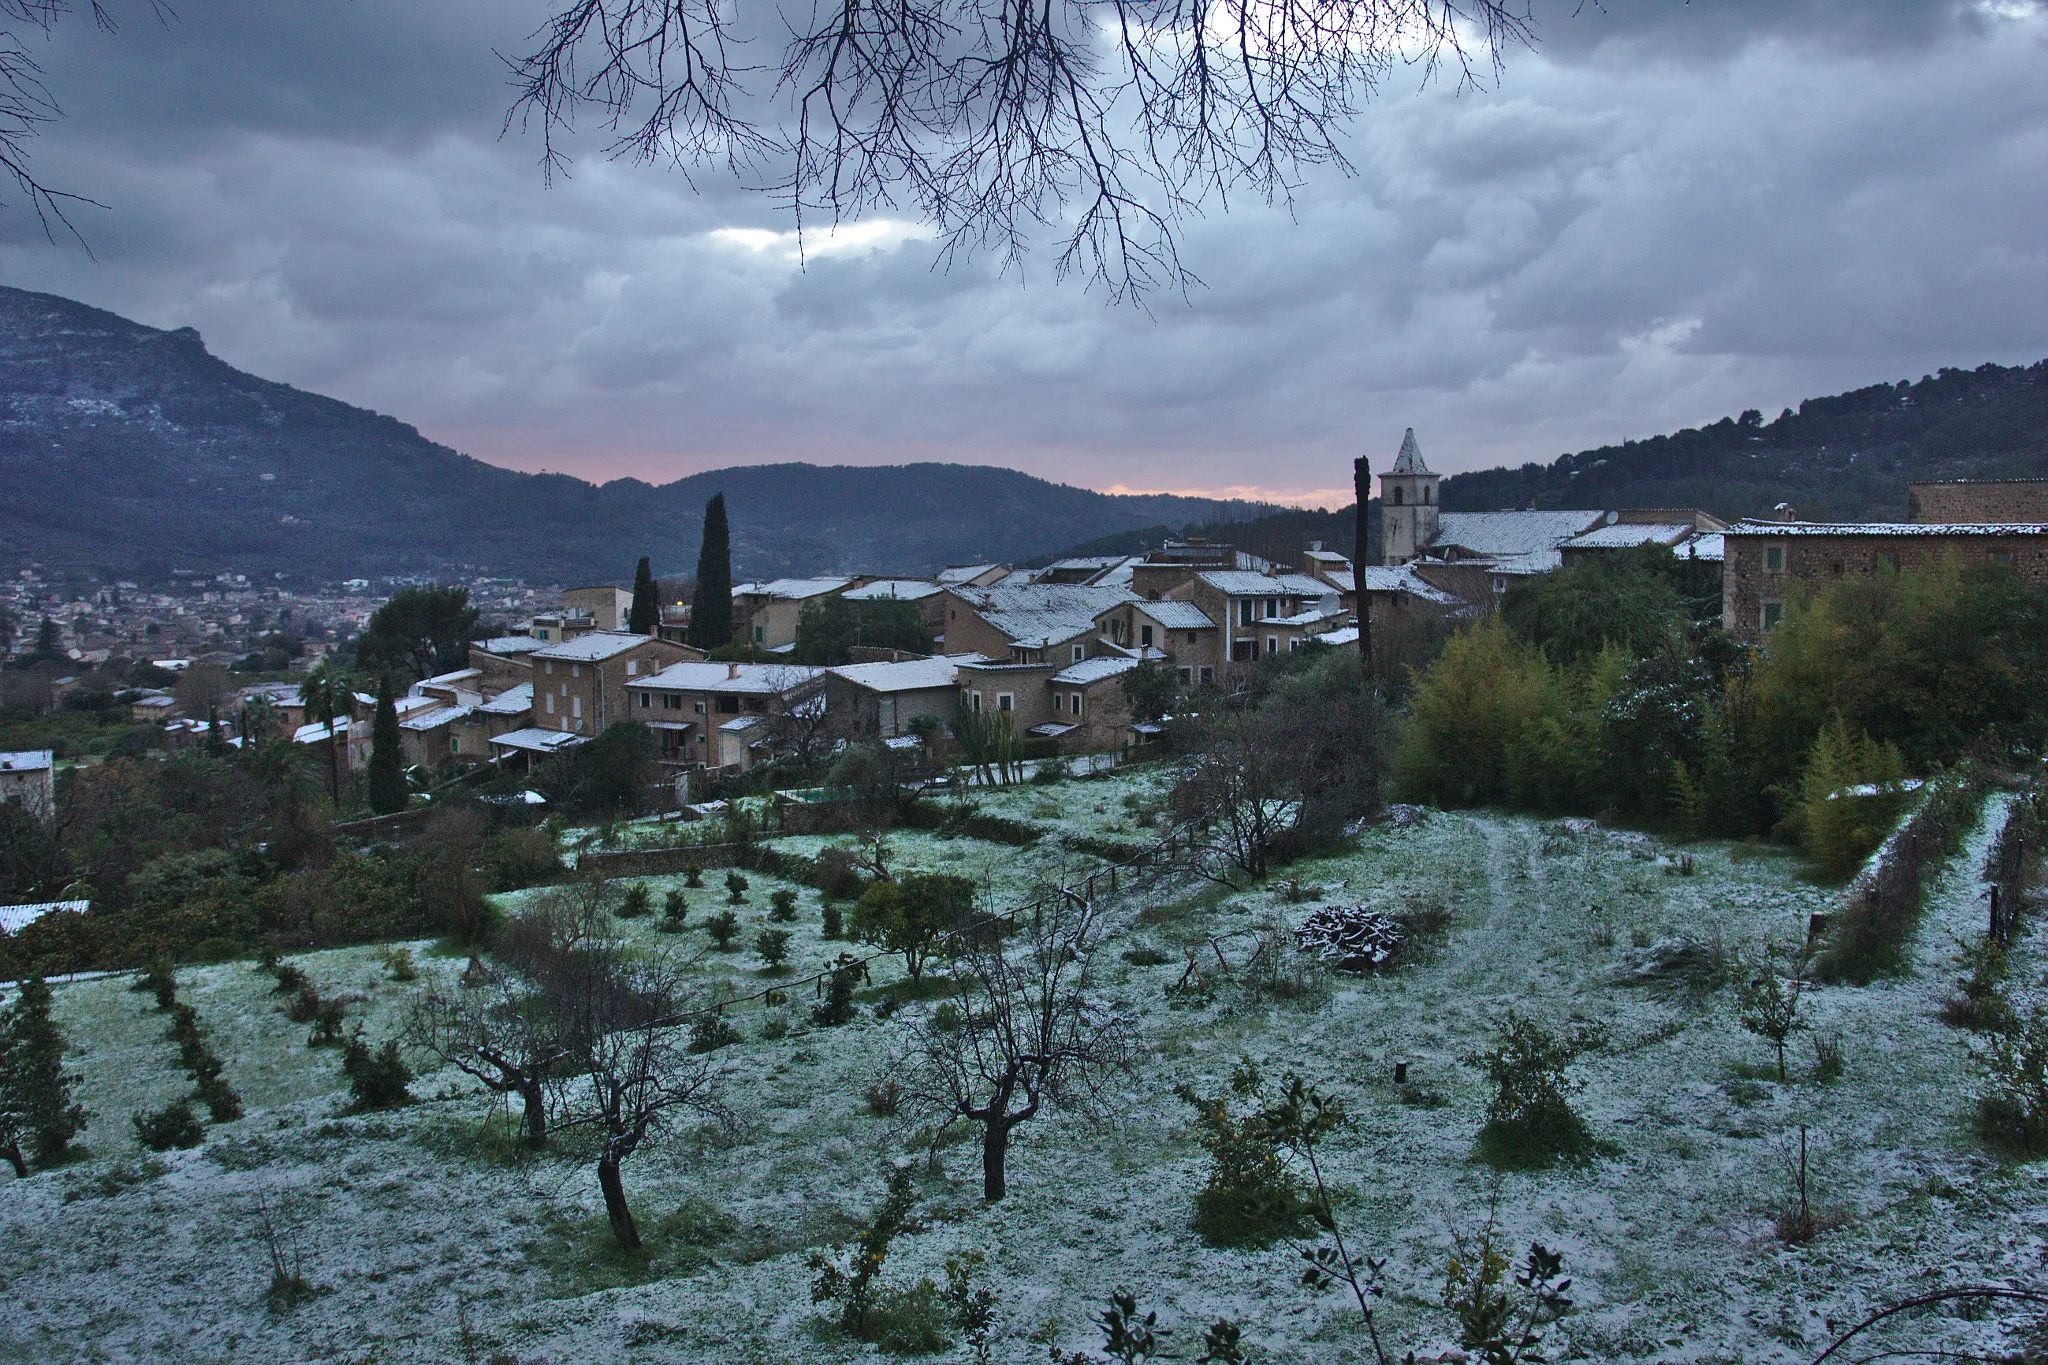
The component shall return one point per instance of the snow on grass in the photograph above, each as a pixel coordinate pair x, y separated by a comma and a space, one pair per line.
413, 1222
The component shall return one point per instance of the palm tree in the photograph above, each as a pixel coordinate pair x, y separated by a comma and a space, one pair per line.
328, 697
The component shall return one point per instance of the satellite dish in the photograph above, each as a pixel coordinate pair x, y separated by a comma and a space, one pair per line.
1613, 517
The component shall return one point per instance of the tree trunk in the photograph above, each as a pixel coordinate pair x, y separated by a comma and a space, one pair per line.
995, 1145
14, 1158
615, 1203
536, 1120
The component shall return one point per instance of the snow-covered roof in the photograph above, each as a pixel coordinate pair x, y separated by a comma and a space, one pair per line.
892, 590
740, 723
1403, 579
435, 719
1093, 670
593, 647
1302, 618
508, 644
537, 741
1175, 615
1237, 583
26, 760
1036, 615
510, 702
791, 589
1711, 547
964, 573
15, 918
1344, 635
910, 675
753, 679
320, 731
1888, 528
455, 679
277, 693
1409, 461
1509, 534
1628, 536
1051, 729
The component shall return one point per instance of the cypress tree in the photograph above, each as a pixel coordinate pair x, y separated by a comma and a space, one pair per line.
387, 779
711, 609
646, 613
35, 1094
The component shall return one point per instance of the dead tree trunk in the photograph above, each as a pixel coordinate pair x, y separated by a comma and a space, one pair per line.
1361, 478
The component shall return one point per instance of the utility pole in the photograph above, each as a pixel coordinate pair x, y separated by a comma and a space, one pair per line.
1361, 479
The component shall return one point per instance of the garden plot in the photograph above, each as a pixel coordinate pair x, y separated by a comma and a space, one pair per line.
425, 1240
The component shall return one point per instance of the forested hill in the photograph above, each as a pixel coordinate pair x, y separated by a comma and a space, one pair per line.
128, 449
1847, 457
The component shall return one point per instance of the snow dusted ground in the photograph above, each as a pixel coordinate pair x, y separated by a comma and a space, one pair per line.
427, 1242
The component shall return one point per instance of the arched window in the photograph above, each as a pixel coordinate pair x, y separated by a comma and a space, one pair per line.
1397, 495
1426, 490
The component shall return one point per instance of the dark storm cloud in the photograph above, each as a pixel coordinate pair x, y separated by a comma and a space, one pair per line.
1669, 213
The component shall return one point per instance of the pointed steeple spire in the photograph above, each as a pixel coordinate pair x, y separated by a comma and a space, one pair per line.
1409, 461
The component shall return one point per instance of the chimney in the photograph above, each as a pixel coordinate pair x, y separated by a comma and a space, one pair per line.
732, 670
1783, 511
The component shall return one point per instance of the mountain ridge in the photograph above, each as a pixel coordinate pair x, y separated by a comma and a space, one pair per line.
131, 449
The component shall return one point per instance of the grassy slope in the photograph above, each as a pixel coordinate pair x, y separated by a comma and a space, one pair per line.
403, 1218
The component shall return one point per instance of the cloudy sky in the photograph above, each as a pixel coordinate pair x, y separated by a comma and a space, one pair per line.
1666, 213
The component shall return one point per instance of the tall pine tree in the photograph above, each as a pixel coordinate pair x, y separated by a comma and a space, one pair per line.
387, 777
646, 612
35, 1095
711, 609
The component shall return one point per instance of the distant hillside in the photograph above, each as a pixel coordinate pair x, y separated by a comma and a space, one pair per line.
1846, 457
128, 449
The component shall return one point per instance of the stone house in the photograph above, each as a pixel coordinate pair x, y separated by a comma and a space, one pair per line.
883, 700
767, 613
1020, 690
1978, 500
929, 597
579, 686
693, 708
28, 777
973, 575
504, 662
1090, 712
1028, 623
1764, 559
1176, 633
608, 608
1261, 614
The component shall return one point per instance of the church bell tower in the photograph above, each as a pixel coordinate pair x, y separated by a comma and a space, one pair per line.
1407, 505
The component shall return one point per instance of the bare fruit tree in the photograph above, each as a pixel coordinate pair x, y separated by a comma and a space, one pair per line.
1022, 1035
499, 1031
1105, 120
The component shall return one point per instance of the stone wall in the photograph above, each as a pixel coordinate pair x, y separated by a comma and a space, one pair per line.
1971, 500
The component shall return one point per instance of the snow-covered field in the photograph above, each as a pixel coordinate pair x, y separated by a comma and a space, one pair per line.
426, 1241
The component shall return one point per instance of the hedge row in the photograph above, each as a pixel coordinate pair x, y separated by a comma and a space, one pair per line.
1867, 937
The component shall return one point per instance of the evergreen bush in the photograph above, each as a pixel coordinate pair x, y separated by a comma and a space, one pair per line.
377, 1077
173, 1126
674, 912
710, 1032
1251, 1197
635, 903
2012, 1109
723, 927
773, 946
36, 1104
782, 906
736, 888
1530, 1121
838, 1007
833, 923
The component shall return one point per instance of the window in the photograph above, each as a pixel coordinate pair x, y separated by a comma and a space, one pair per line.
577, 703
645, 702
549, 667
1774, 559
575, 670
1241, 651
1397, 495
632, 667
1272, 644
1272, 608
1426, 491
1245, 609
671, 702
1887, 562
1294, 644
1773, 613
728, 706
757, 635
1186, 675
1077, 705
543, 635
1006, 701
1080, 653
1145, 632
1059, 701
2003, 558
698, 708
1191, 637
550, 700
974, 702
1208, 675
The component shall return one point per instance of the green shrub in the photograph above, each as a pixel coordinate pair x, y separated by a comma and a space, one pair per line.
223, 1105
1839, 825
783, 906
674, 911
2012, 1109
773, 946
379, 1077
710, 1032
161, 980
693, 875
736, 887
834, 924
1530, 1121
1980, 1003
635, 903
723, 927
173, 1126
1867, 937
1251, 1197
838, 1007
398, 963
